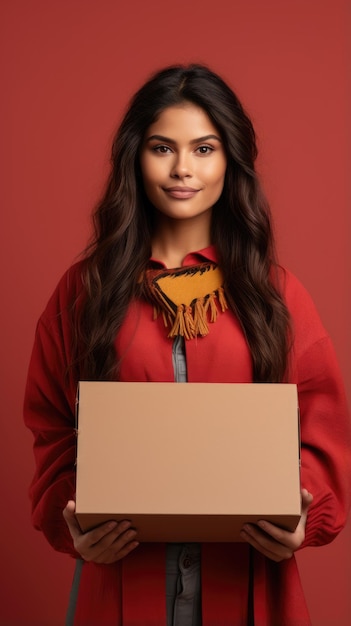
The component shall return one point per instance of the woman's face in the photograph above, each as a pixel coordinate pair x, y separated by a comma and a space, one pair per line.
183, 162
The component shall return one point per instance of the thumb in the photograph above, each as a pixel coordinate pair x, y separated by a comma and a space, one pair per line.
70, 518
306, 501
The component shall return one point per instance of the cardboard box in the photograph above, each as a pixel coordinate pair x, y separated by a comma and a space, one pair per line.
187, 462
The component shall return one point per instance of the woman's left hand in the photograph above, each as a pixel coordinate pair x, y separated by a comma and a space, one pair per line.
274, 542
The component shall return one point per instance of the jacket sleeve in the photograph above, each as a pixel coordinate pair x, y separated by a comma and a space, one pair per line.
325, 422
49, 412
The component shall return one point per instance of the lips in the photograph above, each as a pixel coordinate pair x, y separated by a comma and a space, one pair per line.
181, 193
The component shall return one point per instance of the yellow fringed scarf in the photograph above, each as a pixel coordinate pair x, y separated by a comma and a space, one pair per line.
186, 297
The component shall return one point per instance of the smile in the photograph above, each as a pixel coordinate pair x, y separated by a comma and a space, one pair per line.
182, 193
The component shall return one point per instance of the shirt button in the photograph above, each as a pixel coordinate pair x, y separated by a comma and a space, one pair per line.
187, 562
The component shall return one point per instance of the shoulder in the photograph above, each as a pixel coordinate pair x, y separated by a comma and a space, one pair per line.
294, 292
56, 322
307, 326
52, 349
66, 293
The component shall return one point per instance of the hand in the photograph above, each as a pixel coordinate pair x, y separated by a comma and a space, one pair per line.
274, 542
107, 543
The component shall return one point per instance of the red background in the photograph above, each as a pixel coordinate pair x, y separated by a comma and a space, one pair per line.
68, 68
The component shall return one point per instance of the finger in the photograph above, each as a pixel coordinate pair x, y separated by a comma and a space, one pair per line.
122, 546
288, 539
106, 539
264, 544
90, 537
106, 533
129, 547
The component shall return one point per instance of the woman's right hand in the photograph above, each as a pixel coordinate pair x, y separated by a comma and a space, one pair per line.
106, 544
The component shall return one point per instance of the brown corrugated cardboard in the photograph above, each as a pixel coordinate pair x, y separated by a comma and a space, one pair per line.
187, 462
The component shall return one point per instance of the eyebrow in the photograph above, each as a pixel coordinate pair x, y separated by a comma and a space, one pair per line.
193, 141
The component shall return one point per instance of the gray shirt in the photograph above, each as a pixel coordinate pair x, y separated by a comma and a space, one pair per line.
183, 561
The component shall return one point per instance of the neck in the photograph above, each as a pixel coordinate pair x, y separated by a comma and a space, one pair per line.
174, 239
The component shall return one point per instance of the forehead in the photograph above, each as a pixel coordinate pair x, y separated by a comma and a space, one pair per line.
183, 120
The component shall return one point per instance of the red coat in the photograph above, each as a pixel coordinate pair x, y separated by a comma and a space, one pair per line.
132, 591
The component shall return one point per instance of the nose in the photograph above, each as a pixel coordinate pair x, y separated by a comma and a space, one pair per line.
181, 166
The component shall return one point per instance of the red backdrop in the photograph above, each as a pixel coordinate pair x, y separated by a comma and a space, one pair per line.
68, 69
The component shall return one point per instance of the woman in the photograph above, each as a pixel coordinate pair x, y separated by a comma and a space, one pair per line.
183, 193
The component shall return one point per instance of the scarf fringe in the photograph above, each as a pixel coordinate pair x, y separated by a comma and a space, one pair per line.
188, 298
191, 321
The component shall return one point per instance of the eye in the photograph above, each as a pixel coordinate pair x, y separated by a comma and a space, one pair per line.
204, 149
161, 149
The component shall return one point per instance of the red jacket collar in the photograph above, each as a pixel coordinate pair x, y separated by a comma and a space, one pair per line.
198, 256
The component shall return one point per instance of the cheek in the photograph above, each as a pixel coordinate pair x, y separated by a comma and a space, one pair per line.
151, 180
152, 172
214, 173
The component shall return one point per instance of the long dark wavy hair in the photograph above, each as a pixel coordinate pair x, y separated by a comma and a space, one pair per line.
241, 230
